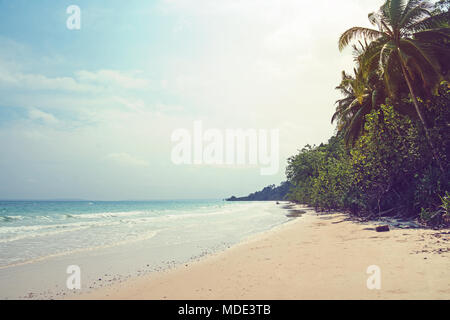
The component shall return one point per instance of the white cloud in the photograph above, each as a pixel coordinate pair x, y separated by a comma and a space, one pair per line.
126, 159
83, 81
47, 118
113, 78
42, 82
85, 92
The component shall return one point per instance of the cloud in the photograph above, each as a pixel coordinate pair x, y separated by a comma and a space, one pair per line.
47, 118
39, 82
126, 159
260, 64
84, 81
78, 92
113, 78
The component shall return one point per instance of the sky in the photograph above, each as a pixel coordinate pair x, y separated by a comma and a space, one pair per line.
89, 113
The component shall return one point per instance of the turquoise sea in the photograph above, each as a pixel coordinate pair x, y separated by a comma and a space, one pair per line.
120, 236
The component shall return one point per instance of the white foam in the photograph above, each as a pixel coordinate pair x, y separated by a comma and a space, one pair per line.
138, 238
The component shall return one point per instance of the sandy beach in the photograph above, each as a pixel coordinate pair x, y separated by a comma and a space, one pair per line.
312, 257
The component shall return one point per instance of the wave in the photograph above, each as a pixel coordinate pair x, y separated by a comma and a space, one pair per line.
106, 214
141, 237
68, 216
16, 233
39, 230
10, 218
43, 234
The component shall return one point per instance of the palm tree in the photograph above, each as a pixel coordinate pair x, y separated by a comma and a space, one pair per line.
362, 93
410, 45
352, 108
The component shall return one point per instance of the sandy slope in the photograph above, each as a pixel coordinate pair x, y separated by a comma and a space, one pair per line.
312, 257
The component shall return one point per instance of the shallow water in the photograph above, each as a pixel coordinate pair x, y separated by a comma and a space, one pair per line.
115, 240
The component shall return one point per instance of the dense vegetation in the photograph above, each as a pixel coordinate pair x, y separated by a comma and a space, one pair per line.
269, 193
391, 151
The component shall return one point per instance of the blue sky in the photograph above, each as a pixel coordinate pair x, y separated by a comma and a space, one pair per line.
89, 113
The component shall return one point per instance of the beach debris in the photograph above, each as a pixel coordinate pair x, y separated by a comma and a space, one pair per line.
382, 228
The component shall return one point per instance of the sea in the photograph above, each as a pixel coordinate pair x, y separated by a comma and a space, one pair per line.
111, 241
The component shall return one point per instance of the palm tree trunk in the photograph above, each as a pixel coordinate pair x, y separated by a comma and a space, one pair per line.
421, 117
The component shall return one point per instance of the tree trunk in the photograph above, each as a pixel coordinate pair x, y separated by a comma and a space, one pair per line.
421, 117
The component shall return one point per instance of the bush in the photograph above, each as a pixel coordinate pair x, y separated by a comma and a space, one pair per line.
389, 171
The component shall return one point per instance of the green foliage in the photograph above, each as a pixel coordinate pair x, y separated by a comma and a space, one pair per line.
409, 41
391, 153
409, 52
388, 171
321, 175
426, 215
446, 204
442, 6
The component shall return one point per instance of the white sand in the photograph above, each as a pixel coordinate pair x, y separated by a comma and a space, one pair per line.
312, 257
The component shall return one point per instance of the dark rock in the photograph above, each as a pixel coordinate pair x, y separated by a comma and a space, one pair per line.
382, 228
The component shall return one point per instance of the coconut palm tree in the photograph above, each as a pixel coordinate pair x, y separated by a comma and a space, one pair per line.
362, 93
409, 46
352, 108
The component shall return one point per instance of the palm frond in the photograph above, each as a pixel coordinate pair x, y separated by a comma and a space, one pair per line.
358, 32
356, 126
395, 11
392, 74
415, 15
438, 35
374, 19
437, 21
421, 51
385, 54
368, 60
411, 4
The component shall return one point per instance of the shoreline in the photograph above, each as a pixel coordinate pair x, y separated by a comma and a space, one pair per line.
110, 247
315, 256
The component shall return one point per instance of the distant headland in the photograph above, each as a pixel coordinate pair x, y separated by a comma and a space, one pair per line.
269, 193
